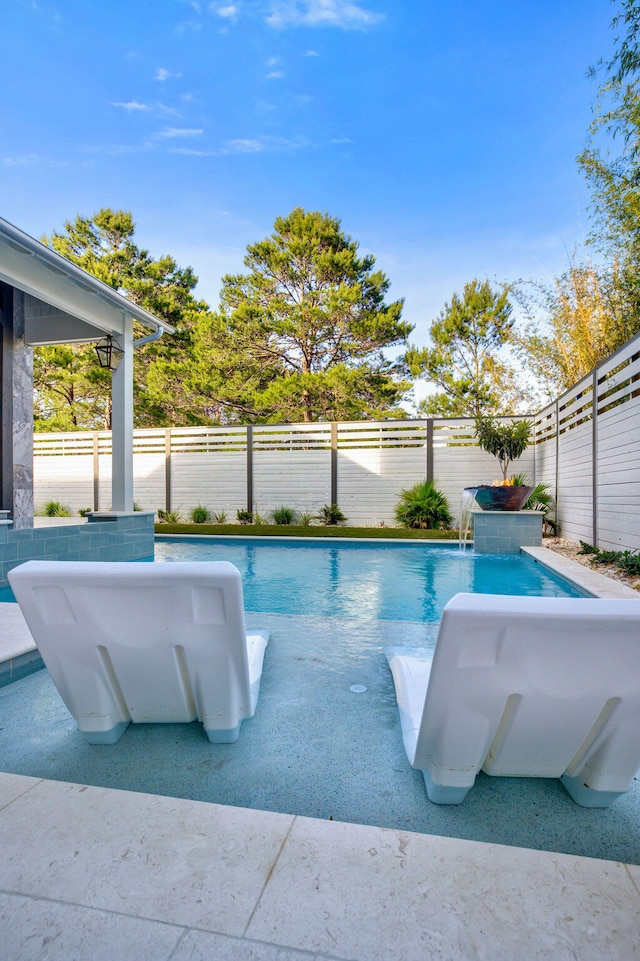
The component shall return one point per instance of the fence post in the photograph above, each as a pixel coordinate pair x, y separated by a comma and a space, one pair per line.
557, 482
96, 472
334, 462
594, 455
429, 451
250, 468
167, 469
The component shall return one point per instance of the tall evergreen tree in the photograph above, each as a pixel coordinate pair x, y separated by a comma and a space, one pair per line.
302, 336
464, 362
71, 390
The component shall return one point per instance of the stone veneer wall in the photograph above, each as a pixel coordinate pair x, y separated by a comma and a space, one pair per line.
107, 537
505, 532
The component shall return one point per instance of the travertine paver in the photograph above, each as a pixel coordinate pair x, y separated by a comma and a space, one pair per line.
361, 892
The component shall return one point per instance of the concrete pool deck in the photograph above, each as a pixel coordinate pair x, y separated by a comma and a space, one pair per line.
98, 873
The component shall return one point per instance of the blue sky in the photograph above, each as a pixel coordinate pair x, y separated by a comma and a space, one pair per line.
443, 135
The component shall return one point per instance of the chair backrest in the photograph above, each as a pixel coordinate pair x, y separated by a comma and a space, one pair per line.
533, 686
139, 642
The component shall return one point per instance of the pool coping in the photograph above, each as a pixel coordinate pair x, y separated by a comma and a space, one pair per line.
595, 583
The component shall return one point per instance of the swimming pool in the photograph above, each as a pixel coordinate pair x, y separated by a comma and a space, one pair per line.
373, 581
325, 741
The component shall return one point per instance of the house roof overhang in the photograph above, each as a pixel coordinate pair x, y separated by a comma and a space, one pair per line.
63, 303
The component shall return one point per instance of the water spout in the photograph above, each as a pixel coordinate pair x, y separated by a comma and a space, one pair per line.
467, 502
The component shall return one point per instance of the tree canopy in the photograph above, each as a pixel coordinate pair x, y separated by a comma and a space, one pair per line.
71, 390
586, 318
302, 335
610, 163
464, 361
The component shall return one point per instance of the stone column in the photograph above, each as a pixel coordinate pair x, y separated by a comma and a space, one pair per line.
16, 425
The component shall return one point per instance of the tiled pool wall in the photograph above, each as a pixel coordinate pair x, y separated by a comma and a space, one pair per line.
106, 537
505, 532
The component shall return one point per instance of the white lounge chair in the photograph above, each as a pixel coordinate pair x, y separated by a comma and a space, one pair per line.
526, 687
146, 642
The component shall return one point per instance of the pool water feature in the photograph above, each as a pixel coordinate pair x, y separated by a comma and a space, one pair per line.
319, 745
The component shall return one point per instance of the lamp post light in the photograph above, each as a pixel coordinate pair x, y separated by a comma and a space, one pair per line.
109, 352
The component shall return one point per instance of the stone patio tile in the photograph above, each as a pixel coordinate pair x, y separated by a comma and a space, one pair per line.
12, 786
183, 862
36, 930
381, 895
202, 946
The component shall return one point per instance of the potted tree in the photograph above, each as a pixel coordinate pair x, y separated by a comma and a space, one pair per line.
507, 442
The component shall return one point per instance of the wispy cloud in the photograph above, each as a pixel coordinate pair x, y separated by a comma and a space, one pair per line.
242, 145
131, 106
227, 11
247, 145
23, 160
172, 133
321, 13
163, 74
35, 160
276, 75
311, 53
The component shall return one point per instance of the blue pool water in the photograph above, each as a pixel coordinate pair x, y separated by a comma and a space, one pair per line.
325, 741
382, 582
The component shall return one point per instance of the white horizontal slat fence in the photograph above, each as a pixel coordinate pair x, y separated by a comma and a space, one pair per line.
362, 466
587, 454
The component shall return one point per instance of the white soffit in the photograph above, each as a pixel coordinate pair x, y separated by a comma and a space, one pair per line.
84, 307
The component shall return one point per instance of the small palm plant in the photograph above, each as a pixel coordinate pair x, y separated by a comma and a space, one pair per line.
330, 515
424, 507
169, 517
540, 498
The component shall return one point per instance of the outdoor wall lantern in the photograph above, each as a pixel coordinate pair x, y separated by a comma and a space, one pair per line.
109, 352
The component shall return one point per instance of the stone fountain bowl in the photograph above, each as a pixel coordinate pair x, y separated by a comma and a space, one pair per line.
490, 498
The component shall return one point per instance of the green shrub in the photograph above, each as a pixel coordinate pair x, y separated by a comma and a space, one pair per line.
587, 548
56, 509
85, 511
244, 516
219, 517
259, 518
283, 515
606, 557
423, 506
169, 517
330, 515
200, 515
305, 519
630, 562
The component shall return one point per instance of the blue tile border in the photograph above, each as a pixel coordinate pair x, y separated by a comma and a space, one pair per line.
505, 532
122, 537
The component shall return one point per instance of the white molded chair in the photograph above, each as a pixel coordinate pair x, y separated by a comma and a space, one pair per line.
144, 642
526, 687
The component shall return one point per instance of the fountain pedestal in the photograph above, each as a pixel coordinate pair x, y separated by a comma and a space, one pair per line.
505, 532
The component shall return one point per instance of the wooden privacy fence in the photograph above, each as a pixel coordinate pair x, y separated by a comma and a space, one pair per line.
587, 453
362, 466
